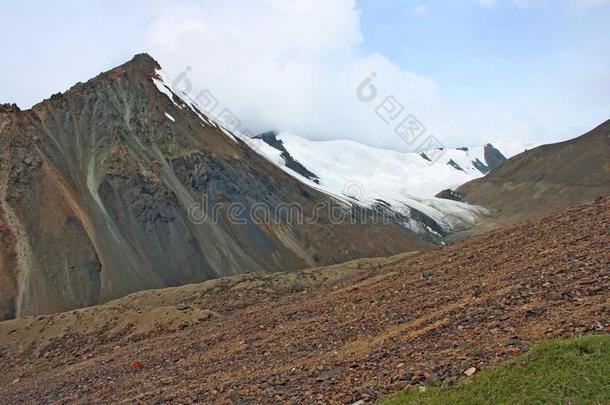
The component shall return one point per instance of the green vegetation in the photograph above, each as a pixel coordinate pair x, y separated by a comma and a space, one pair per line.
571, 371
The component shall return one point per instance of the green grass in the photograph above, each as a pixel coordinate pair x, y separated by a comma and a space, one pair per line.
571, 371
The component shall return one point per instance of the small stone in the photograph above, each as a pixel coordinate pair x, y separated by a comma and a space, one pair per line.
400, 385
182, 307
428, 273
451, 380
206, 314
330, 374
422, 388
538, 309
470, 371
15, 381
513, 342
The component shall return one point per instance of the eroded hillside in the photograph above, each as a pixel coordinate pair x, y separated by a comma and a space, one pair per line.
342, 334
96, 191
547, 178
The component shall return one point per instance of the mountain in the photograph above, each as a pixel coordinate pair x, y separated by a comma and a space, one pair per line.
120, 184
404, 182
340, 334
547, 178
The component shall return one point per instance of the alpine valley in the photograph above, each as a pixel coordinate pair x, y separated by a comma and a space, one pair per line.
150, 255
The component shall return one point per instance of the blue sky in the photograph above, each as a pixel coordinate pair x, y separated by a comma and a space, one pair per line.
491, 50
472, 70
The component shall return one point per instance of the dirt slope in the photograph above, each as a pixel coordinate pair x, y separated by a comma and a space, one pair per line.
547, 179
355, 331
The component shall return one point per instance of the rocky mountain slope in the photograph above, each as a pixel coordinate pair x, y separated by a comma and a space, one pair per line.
120, 185
336, 335
547, 178
404, 182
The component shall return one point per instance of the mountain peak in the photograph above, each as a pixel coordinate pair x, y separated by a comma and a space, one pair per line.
141, 65
143, 62
493, 157
9, 108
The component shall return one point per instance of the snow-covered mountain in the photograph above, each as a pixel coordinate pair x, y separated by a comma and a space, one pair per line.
400, 185
404, 182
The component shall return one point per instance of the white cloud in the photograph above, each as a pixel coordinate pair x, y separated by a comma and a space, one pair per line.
289, 65
295, 65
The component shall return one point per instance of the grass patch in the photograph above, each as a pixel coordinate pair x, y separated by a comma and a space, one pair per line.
570, 371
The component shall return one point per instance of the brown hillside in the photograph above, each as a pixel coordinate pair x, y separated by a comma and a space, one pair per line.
548, 178
351, 332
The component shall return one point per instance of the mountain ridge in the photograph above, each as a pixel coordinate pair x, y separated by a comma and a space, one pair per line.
547, 178
97, 189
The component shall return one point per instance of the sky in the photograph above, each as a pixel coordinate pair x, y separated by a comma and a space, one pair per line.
466, 72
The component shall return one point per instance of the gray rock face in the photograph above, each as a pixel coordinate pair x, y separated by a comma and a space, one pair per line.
493, 157
97, 188
270, 138
449, 194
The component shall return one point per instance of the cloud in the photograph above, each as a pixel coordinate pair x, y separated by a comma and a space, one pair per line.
288, 65
296, 65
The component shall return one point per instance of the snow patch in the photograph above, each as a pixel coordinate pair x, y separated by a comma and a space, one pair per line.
161, 79
170, 117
